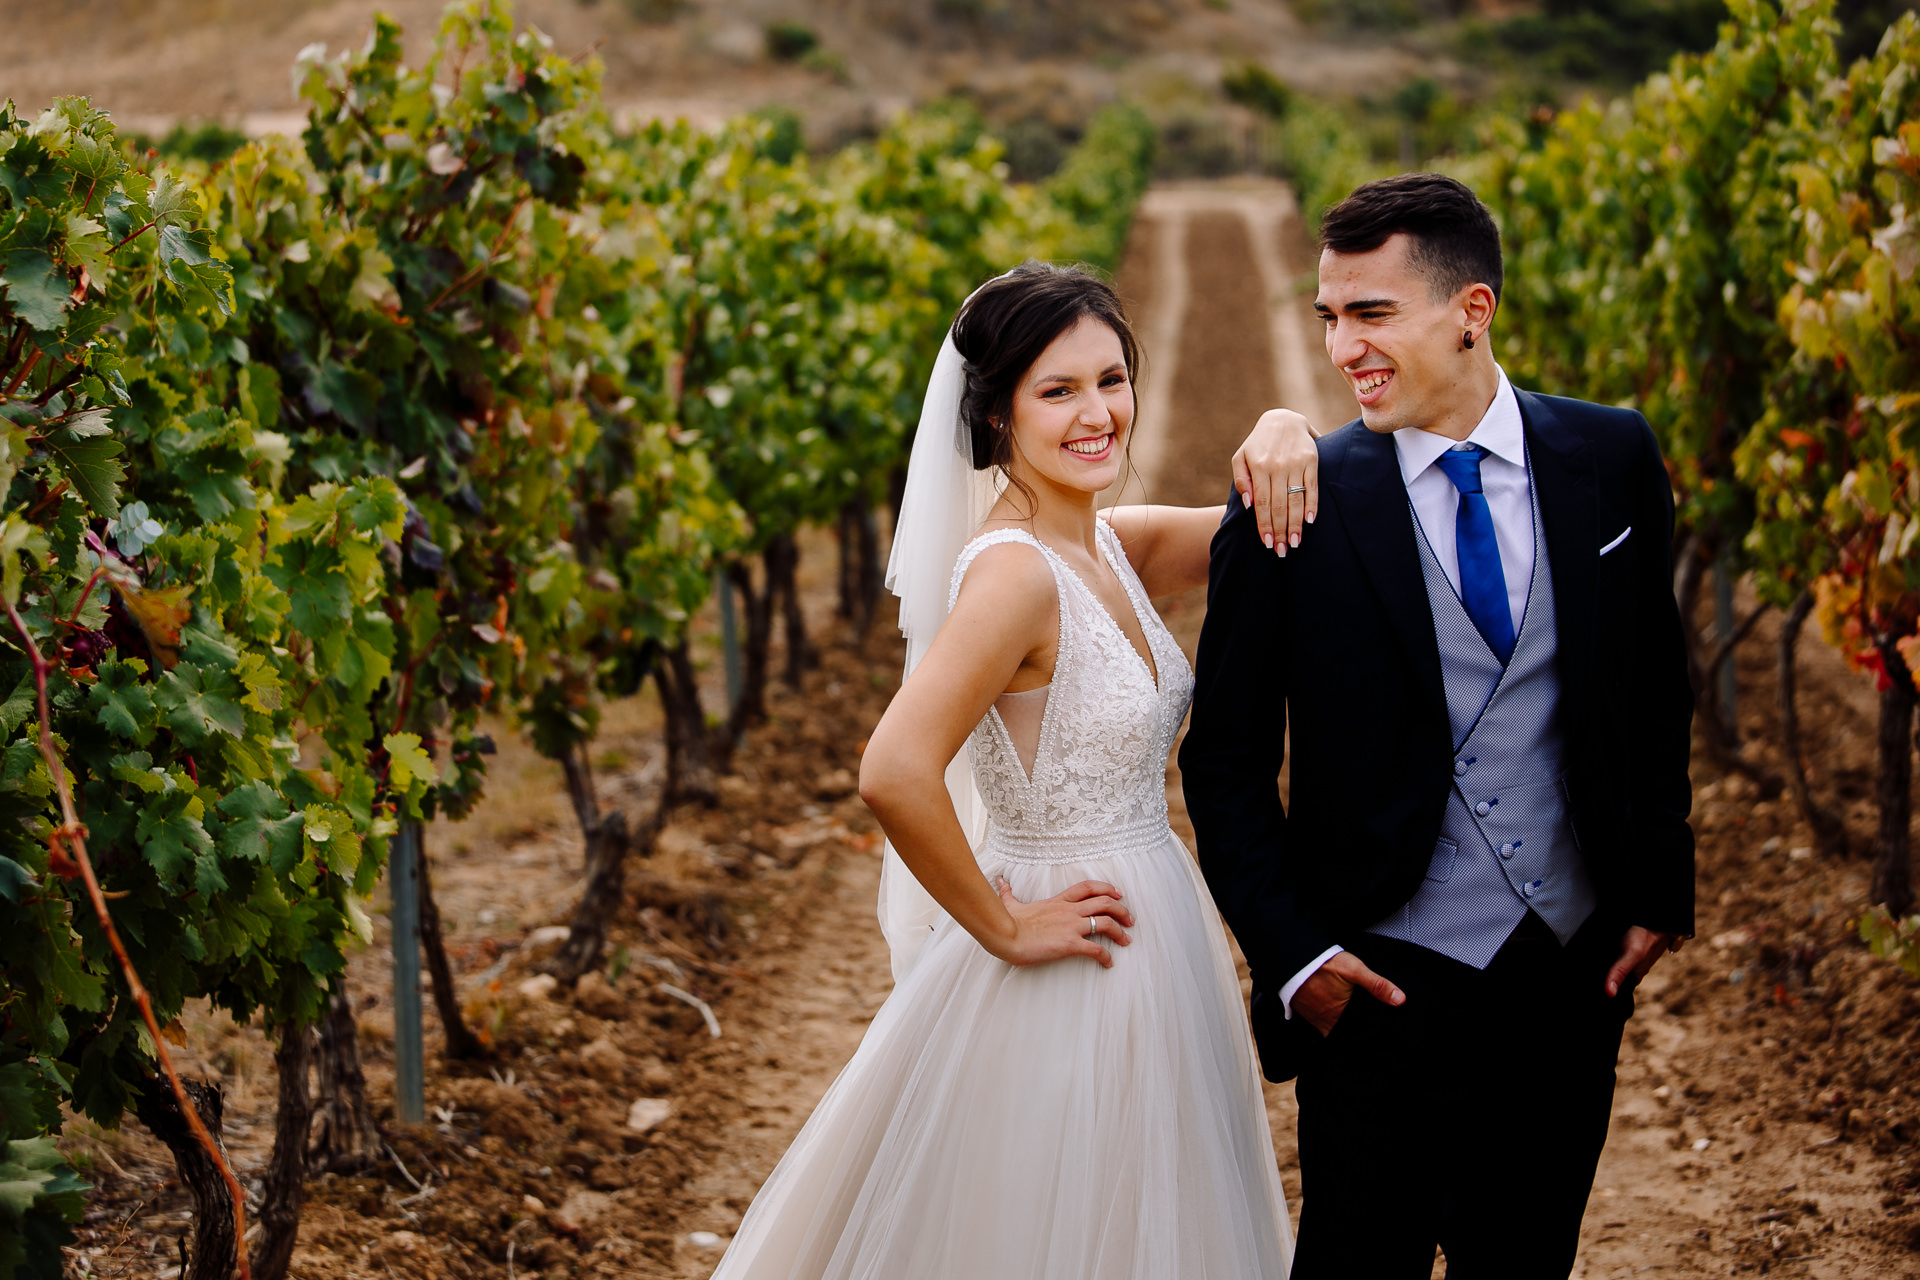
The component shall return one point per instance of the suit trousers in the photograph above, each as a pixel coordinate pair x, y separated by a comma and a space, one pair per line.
1471, 1117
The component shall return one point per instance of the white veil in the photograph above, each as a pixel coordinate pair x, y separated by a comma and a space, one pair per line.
945, 501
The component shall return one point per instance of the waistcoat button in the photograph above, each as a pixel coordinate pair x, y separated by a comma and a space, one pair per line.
1483, 808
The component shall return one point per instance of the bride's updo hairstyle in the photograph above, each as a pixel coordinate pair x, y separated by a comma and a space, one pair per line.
1003, 329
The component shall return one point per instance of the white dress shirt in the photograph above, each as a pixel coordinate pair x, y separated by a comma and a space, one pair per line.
1436, 506
1503, 477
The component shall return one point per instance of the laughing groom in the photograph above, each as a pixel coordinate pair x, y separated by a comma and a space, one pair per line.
1487, 843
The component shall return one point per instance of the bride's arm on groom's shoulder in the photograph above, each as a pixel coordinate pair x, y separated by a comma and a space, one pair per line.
1169, 546
1003, 632
1276, 471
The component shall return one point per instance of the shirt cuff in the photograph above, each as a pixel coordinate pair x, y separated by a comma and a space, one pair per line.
1312, 967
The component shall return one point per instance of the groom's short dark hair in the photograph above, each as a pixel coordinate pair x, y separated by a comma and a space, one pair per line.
1455, 240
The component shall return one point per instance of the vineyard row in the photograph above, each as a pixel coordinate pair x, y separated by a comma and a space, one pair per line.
461, 402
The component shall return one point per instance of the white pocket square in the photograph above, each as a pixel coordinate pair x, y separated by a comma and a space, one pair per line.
1617, 541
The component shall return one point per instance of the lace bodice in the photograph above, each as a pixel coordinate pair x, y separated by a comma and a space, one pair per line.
1098, 785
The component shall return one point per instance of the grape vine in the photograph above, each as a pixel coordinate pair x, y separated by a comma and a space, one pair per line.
312, 455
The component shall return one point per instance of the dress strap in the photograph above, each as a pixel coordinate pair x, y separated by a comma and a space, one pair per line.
994, 538
1061, 574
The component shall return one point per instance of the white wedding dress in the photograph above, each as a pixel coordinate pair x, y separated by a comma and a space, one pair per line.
1060, 1122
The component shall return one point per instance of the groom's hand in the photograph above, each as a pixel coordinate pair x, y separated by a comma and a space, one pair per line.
1638, 950
1324, 997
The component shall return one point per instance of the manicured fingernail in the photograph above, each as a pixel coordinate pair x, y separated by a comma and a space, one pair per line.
1282, 549
1310, 516
1268, 539
1246, 499
1293, 540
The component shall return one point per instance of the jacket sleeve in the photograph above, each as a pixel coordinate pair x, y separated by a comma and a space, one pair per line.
1230, 762
1660, 793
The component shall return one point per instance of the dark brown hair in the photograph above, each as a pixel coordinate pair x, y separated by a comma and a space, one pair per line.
1455, 239
1003, 329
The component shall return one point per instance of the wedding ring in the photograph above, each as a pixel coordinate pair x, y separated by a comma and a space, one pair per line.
1298, 488
1092, 927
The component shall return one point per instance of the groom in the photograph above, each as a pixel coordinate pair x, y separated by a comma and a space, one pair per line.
1487, 844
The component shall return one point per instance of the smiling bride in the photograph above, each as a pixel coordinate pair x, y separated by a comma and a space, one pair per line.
1062, 1083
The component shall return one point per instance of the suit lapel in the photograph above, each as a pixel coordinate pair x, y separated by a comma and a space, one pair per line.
1562, 467
1379, 522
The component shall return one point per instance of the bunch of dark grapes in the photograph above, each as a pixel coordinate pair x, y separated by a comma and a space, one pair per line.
89, 647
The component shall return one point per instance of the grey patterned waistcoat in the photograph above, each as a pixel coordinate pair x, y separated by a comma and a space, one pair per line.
1506, 845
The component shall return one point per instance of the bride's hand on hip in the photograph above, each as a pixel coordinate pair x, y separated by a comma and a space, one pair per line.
1064, 925
1276, 471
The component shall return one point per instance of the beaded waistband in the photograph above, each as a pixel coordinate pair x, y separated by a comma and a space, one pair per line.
1054, 848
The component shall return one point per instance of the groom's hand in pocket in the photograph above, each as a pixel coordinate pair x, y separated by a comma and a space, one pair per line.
1638, 951
1323, 998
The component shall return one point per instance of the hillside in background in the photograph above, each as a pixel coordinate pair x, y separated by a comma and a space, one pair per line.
229, 60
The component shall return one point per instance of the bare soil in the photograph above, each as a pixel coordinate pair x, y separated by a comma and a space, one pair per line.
1765, 1122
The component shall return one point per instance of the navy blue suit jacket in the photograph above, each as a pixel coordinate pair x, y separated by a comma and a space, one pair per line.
1336, 641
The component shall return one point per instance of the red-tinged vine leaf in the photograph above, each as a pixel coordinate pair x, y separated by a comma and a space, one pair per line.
121, 703
91, 461
161, 613
199, 702
37, 290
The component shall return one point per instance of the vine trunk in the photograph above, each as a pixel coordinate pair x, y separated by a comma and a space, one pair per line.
285, 1187
215, 1250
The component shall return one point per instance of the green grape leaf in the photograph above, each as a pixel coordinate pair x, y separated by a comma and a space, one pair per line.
21, 706
14, 879
34, 1173
121, 703
37, 290
318, 599
199, 702
261, 828
92, 463
188, 259
174, 841
265, 692
377, 504
332, 838
89, 423
171, 202
407, 762
215, 494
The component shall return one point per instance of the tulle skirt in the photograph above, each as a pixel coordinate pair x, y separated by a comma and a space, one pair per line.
1052, 1123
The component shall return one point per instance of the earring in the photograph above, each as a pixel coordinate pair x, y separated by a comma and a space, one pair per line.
1467, 338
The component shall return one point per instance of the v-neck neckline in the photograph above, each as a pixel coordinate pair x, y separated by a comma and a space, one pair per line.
1148, 662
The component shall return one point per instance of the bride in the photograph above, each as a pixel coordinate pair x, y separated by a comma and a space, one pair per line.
1062, 1084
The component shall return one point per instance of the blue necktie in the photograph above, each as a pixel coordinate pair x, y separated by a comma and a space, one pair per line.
1483, 585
